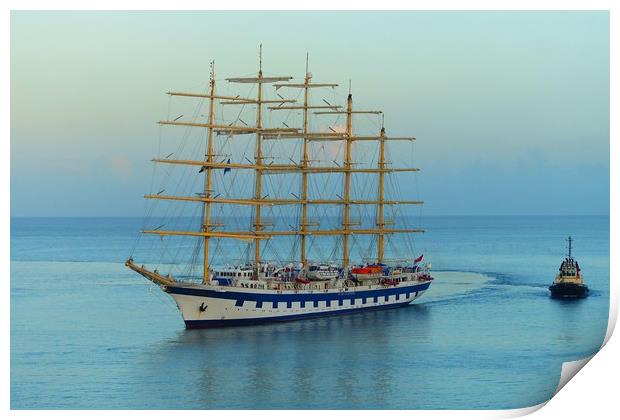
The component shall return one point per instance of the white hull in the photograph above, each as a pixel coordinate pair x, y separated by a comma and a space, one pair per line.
213, 306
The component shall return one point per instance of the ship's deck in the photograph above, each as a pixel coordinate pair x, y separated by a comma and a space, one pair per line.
301, 289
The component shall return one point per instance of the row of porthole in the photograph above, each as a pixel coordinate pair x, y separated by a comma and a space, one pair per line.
339, 303
299, 310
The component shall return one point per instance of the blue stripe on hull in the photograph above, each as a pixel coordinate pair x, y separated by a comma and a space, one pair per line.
297, 297
215, 323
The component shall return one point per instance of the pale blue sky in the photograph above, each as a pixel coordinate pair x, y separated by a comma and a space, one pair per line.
511, 109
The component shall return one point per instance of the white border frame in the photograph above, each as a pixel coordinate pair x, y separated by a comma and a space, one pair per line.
594, 393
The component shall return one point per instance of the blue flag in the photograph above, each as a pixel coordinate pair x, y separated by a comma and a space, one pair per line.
227, 169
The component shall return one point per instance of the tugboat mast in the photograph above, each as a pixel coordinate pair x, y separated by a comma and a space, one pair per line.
570, 246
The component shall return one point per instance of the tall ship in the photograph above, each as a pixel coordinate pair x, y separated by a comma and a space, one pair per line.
569, 282
288, 223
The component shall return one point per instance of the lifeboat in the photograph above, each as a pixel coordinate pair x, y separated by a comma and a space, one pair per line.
389, 282
322, 272
425, 277
302, 280
369, 271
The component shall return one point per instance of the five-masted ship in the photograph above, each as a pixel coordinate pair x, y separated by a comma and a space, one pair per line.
260, 290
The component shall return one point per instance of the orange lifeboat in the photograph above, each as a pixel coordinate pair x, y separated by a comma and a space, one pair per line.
368, 270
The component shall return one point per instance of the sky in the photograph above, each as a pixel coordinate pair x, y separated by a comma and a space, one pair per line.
510, 109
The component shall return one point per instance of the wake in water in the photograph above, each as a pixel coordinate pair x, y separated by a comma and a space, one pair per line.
449, 284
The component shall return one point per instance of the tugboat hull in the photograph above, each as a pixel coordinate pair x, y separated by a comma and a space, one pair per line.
568, 290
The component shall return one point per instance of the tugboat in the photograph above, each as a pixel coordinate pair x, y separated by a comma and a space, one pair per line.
569, 281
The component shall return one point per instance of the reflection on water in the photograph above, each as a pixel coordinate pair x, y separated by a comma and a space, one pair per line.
570, 312
313, 362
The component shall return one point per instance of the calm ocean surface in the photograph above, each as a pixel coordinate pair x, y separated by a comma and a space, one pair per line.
88, 333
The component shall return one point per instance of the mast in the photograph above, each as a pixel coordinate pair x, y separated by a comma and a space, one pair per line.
304, 175
257, 232
258, 159
347, 183
570, 247
307, 136
207, 184
380, 222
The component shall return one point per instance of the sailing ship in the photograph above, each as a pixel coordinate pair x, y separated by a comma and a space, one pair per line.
260, 290
569, 281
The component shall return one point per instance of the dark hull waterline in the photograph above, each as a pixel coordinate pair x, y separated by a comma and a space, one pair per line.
568, 290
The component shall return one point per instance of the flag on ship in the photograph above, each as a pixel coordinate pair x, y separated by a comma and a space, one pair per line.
417, 260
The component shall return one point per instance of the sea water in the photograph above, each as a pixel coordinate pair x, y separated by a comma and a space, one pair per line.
87, 333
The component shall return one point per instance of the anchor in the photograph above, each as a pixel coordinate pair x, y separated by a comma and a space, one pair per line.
202, 307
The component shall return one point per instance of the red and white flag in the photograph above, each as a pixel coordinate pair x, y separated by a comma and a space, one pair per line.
417, 260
